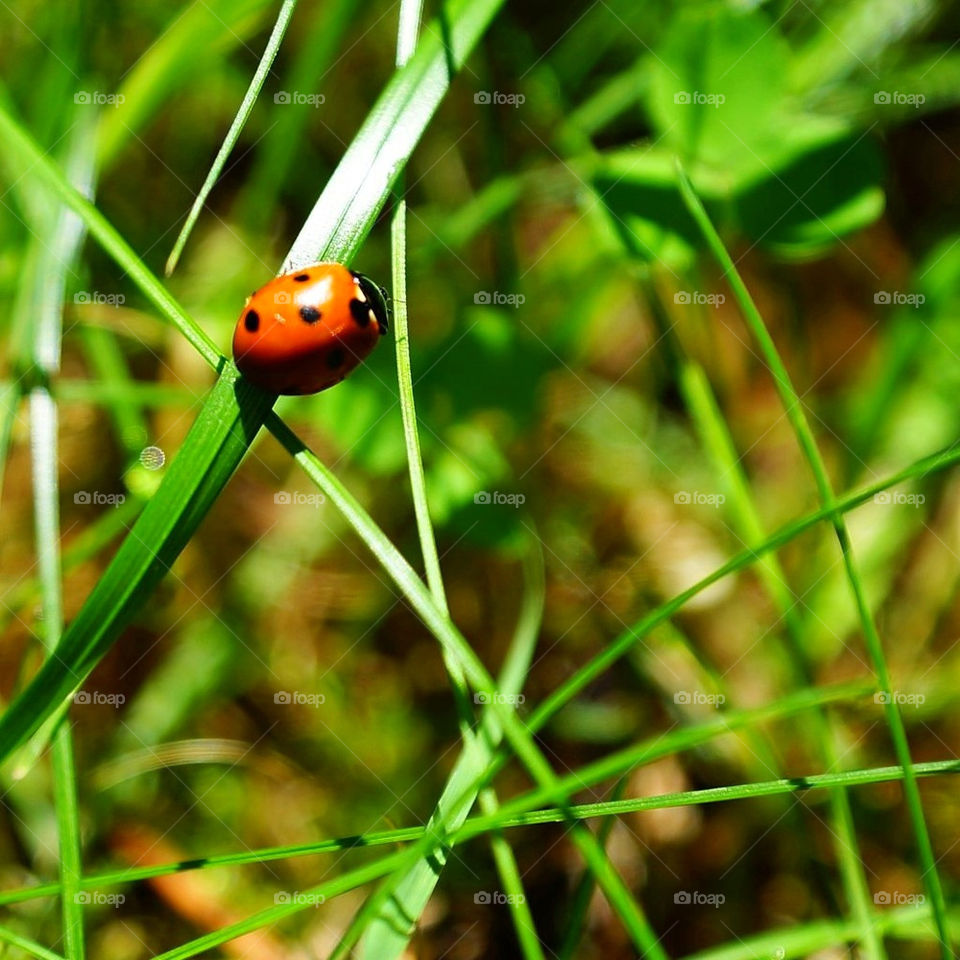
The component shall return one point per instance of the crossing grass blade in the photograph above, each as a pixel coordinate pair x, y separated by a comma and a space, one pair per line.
234, 409
801, 428
390, 920
236, 128
476, 827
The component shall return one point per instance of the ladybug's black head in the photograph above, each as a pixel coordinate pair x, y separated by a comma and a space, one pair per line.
378, 299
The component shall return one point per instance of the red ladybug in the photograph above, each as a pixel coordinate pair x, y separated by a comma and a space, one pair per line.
305, 331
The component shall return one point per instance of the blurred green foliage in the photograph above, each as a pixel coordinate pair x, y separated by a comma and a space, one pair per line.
558, 288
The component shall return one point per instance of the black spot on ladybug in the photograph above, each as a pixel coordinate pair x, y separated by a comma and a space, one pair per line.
360, 311
252, 321
309, 314
335, 358
302, 277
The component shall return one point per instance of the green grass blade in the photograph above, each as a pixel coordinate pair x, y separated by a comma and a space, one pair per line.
322, 39
66, 231
391, 919
393, 926
236, 128
105, 356
746, 520
362, 181
179, 56
212, 450
477, 827
602, 661
580, 902
9, 404
234, 410
801, 427
28, 946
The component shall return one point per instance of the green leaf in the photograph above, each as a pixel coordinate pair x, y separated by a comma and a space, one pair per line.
829, 188
717, 89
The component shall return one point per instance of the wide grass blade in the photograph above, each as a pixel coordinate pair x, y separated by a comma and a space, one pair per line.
234, 410
361, 184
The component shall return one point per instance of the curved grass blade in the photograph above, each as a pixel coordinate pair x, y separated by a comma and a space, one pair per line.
234, 410
28, 946
395, 922
236, 128
217, 441
719, 444
801, 428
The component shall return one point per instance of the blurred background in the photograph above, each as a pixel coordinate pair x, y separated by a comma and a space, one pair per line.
588, 393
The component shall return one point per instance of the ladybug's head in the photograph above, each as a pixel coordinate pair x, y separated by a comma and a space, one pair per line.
378, 299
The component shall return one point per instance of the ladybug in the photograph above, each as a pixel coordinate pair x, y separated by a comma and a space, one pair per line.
305, 331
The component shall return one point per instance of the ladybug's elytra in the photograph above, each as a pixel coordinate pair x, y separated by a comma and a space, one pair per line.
305, 331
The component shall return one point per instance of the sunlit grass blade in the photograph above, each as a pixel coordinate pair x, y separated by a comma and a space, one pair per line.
393, 927
66, 232
29, 947
361, 184
236, 128
234, 410
746, 520
479, 826
197, 33
392, 919
801, 428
